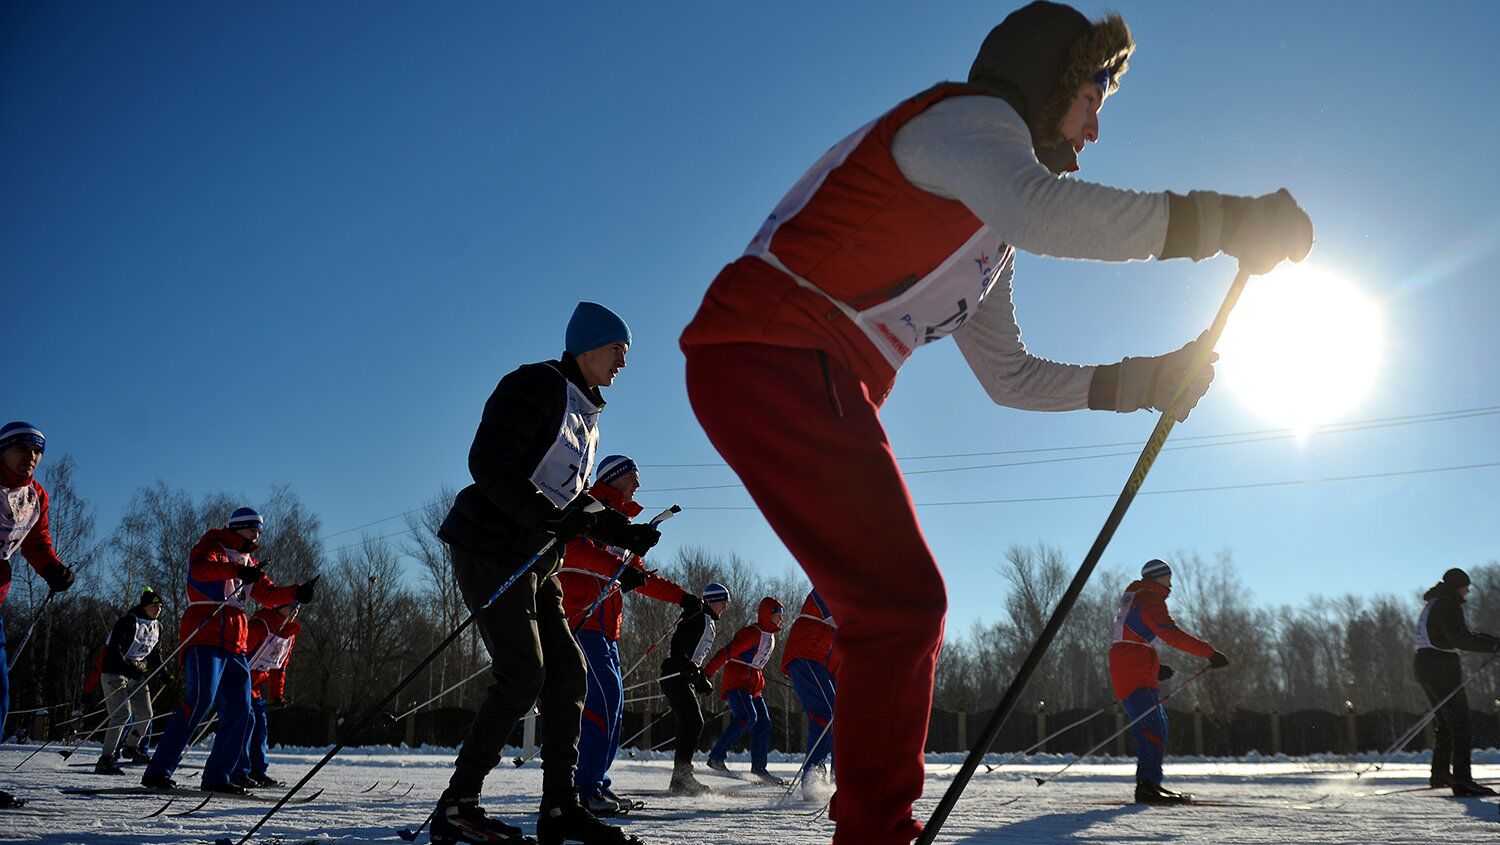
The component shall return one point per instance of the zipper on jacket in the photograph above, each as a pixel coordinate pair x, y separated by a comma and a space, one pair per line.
876, 297
833, 393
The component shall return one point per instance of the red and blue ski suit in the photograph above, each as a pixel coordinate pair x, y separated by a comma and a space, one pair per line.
807, 661
586, 569
23, 528
742, 661
271, 639
1135, 666
214, 629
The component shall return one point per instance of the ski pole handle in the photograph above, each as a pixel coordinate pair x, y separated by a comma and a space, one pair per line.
665, 515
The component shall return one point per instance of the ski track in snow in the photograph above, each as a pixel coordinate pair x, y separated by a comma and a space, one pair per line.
1071, 809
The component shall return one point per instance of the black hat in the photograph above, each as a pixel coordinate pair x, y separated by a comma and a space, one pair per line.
1456, 578
149, 597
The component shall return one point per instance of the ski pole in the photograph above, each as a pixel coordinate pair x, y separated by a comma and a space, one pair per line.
30, 629
647, 653
644, 698
481, 671
650, 682
1107, 740
68, 752
380, 706
1059, 732
625, 563
1422, 722
806, 758
1017, 687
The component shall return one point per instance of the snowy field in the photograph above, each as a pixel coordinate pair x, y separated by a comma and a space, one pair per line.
369, 794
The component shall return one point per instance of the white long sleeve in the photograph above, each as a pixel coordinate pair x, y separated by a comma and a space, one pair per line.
991, 342
977, 150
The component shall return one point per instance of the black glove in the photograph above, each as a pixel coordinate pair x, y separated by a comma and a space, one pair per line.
281, 703
1218, 661
1266, 230
1165, 672
632, 578
700, 682
690, 604
249, 574
306, 590
58, 577
576, 519
614, 529
1150, 382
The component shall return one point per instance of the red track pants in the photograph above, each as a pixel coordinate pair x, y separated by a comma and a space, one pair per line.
805, 437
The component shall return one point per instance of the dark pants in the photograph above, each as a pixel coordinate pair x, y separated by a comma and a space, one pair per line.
689, 717
1440, 673
536, 661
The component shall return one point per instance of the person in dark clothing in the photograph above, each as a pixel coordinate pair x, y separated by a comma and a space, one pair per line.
682, 681
1441, 634
129, 655
530, 460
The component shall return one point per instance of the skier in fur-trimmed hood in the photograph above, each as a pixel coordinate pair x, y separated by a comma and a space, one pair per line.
903, 233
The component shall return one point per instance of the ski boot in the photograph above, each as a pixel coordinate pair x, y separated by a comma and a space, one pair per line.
1440, 780
162, 782
245, 782
224, 788
266, 780
10, 802
563, 821
718, 765
133, 754
1470, 789
107, 766
601, 806
766, 777
462, 820
683, 782
1152, 793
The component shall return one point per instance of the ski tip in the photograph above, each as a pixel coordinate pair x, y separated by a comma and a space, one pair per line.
407, 834
1039, 781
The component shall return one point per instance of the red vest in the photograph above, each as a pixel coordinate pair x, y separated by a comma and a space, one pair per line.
856, 261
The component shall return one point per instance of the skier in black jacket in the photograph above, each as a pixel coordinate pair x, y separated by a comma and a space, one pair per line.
1441, 635
682, 680
128, 657
531, 460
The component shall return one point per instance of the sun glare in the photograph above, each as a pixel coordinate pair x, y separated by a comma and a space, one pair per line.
1302, 347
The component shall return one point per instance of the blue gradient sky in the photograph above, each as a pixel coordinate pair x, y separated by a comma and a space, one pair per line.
246, 244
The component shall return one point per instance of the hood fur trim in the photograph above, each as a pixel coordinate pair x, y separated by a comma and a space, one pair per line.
1107, 46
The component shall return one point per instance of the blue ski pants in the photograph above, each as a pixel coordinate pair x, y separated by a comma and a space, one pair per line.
814, 687
603, 710
214, 677
253, 757
747, 713
1150, 733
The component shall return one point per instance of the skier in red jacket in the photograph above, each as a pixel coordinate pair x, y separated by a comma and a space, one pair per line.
586, 571
1136, 672
273, 633
742, 661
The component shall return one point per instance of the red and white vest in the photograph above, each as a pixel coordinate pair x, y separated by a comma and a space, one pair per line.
20, 509
857, 261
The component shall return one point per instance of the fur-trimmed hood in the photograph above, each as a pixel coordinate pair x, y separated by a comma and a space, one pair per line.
1036, 59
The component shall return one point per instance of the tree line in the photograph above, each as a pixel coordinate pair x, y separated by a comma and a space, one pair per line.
384, 603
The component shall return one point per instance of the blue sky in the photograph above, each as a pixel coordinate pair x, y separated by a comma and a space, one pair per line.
248, 244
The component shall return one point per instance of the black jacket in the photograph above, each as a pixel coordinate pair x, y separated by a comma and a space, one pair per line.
500, 514
685, 638
1446, 628
121, 637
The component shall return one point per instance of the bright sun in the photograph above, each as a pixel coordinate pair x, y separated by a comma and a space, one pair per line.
1302, 347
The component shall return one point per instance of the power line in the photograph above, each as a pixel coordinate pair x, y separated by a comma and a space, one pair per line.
1212, 489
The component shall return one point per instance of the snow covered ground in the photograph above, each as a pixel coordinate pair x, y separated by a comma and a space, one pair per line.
371, 793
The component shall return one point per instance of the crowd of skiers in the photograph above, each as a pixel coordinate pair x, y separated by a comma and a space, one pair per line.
903, 233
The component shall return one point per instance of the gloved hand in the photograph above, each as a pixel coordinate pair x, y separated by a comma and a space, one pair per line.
613, 528
1260, 231
281, 703
1165, 672
1266, 230
632, 578
1218, 660
249, 574
305, 591
690, 604
701, 683
576, 519
58, 577
1149, 382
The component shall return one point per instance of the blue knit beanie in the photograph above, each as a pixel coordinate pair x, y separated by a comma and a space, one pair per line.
592, 326
21, 433
1155, 568
613, 467
715, 592
245, 518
